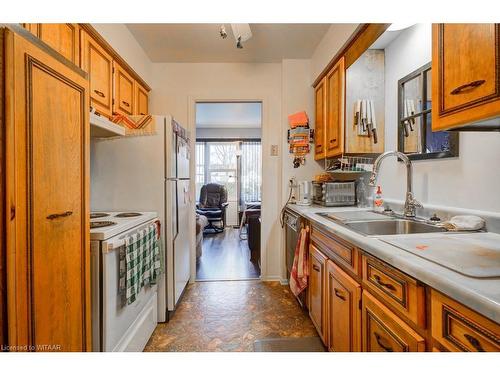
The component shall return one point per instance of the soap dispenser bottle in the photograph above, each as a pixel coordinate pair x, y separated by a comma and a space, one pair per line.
378, 202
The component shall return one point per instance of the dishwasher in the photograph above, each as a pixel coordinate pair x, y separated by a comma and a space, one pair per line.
292, 223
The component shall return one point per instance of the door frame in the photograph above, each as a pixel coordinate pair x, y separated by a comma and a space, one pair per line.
192, 101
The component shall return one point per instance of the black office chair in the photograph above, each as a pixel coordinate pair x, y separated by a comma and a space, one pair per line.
213, 204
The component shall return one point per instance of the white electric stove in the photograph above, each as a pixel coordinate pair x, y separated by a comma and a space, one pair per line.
117, 326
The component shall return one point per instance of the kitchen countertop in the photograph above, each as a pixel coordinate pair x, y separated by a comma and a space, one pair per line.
481, 295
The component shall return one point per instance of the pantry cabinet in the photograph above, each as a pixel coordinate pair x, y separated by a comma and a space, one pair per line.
335, 91
99, 65
343, 310
317, 305
465, 74
319, 121
140, 100
47, 230
123, 91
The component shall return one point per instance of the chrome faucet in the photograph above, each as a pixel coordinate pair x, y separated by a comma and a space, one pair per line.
410, 203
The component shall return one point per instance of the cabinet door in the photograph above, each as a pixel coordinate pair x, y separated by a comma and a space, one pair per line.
63, 37
316, 290
99, 64
383, 331
335, 88
123, 91
343, 311
319, 122
141, 100
48, 232
465, 66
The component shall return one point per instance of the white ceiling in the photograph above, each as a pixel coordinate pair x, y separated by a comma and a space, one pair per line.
201, 42
228, 115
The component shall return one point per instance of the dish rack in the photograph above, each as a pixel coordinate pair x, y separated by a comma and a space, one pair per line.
349, 168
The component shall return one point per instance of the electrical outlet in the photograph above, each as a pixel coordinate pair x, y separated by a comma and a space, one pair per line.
274, 150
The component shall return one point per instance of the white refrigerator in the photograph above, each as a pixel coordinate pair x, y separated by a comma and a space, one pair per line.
150, 173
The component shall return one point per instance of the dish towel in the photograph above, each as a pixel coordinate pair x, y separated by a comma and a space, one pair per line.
136, 125
300, 269
463, 222
140, 262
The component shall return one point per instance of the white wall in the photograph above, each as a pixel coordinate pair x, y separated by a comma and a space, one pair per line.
469, 181
331, 43
177, 86
122, 40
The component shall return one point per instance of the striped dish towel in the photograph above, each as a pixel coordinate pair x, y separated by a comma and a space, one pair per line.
136, 125
300, 269
140, 262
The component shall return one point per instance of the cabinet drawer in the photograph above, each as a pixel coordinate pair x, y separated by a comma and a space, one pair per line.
395, 288
383, 331
458, 328
341, 251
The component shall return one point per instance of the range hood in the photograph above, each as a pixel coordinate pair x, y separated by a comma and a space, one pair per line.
101, 127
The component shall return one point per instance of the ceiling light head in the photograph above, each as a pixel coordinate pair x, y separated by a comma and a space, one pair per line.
238, 43
222, 32
241, 32
399, 26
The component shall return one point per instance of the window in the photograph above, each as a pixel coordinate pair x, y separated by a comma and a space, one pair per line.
415, 135
251, 172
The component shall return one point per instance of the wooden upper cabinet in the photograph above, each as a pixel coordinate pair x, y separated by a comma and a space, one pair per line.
141, 100
47, 138
317, 304
123, 91
383, 331
99, 64
335, 91
63, 37
465, 74
343, 310
319, 122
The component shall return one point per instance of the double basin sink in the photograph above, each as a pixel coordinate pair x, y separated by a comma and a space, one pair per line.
371, 223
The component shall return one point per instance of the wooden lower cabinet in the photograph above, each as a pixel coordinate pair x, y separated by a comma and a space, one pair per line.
343, 310
316, 290
383, 331
47, 167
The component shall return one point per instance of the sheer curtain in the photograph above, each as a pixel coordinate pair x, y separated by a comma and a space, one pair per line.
251, 172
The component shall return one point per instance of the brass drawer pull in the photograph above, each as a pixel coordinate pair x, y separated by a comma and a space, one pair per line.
333, 140
63, 214
339, 294
474, 342
467, 87
100, 93
379, 339
316, 268
126, 104
381, 283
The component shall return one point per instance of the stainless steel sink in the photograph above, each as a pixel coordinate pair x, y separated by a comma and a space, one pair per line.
391, 227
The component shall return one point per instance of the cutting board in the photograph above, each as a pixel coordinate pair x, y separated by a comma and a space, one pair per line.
472, 254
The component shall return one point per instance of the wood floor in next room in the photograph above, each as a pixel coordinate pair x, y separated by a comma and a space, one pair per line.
230, 316
226, 257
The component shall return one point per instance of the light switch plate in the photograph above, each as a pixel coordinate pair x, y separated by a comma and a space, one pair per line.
274, 150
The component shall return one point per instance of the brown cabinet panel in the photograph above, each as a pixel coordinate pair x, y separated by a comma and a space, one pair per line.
458, 328
319, 122
63, 37
465, 68
99, 64
123, 91
48, 238
383, 331
316, 290
343, 310
396, 289
141, 100
335, 91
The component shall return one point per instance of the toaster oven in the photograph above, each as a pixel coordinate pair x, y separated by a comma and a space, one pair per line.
334, 193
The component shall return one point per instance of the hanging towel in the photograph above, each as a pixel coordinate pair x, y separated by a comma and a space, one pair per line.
300, 268
140, 262
136, 125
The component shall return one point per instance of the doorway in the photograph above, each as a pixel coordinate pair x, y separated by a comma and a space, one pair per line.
228, 163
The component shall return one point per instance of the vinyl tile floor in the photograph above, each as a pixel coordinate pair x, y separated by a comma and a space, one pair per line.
229, 316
